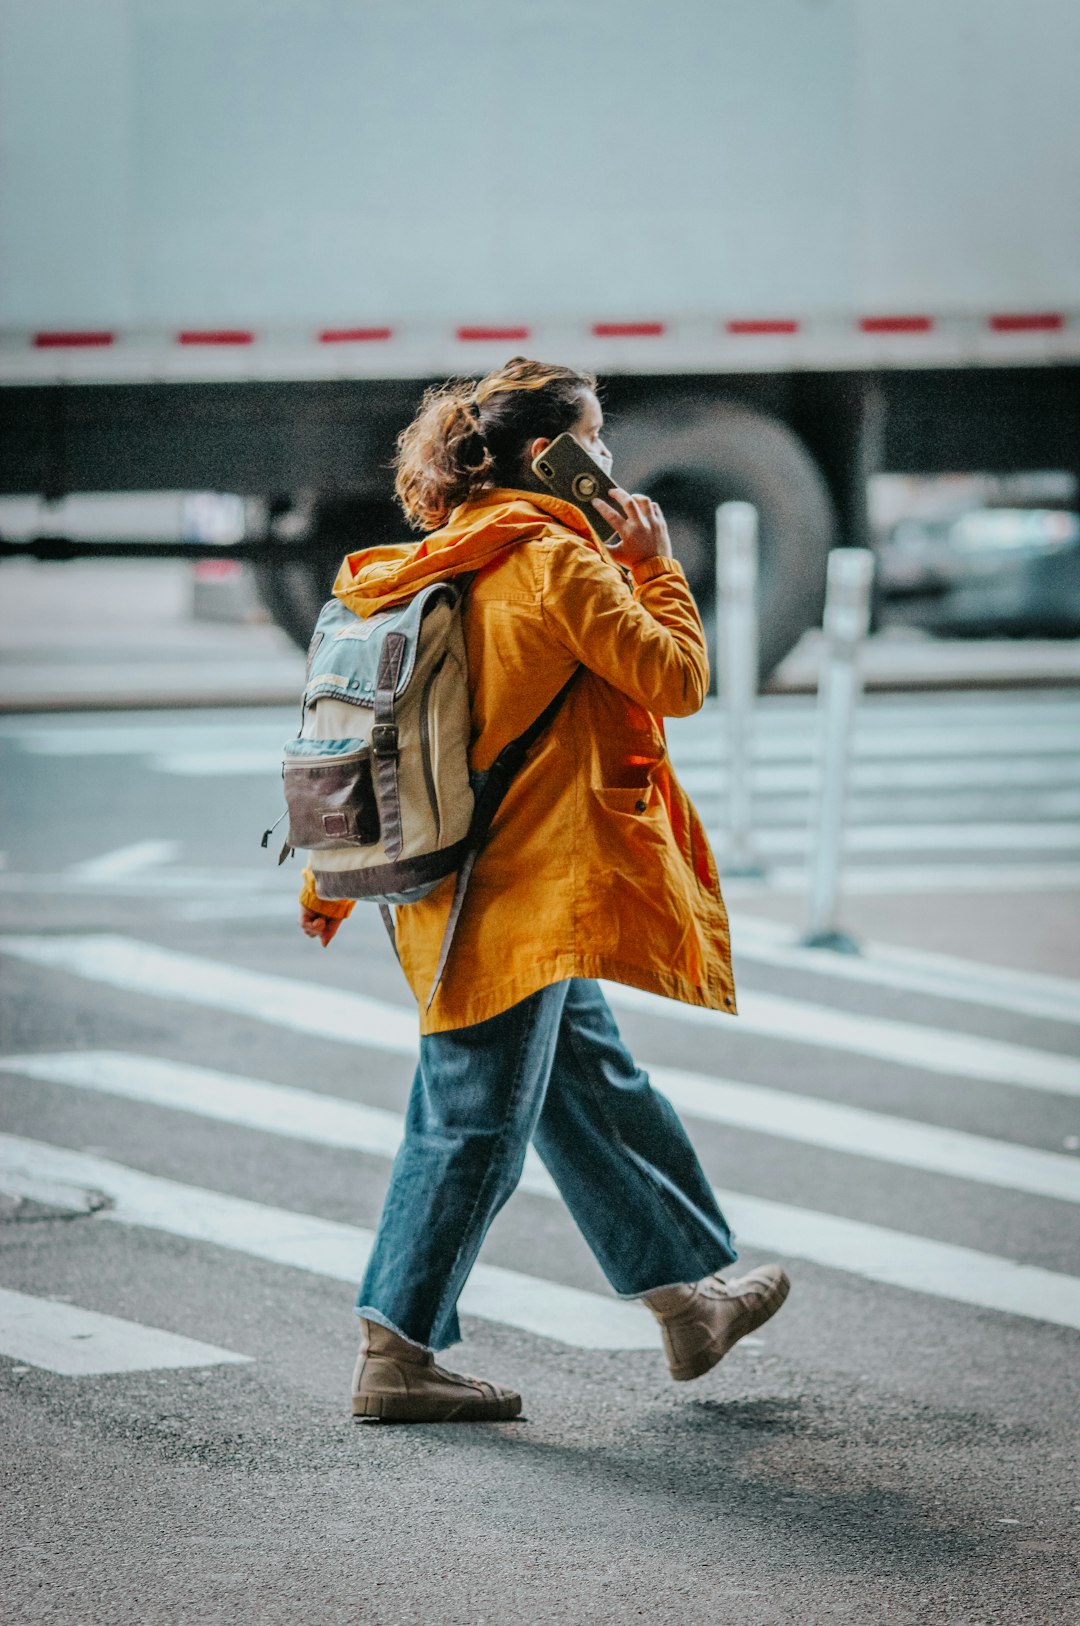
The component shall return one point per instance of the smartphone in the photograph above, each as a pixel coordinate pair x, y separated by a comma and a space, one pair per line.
569, 472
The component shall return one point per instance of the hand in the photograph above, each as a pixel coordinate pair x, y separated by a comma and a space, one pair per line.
321, 926
642, 529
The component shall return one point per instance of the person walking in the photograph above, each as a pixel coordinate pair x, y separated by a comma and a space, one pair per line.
596, 866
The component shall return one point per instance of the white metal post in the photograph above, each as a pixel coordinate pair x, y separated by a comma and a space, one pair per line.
737, 668
847, 618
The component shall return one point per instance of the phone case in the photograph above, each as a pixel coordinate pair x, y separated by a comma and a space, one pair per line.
569, 472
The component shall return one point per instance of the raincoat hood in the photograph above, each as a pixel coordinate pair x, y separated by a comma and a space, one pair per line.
477, 532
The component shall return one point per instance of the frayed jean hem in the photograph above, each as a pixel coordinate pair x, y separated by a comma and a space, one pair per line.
367, 1313
657, 1287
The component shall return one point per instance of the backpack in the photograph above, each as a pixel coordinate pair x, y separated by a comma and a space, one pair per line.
377, 782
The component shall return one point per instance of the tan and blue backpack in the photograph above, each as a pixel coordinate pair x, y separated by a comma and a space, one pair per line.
377, 782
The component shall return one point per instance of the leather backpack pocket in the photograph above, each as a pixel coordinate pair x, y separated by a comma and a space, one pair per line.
330, 795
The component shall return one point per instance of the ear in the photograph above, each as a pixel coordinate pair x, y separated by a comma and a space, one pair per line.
540, 444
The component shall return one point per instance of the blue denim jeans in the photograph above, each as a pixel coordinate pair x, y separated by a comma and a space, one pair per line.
552, 1070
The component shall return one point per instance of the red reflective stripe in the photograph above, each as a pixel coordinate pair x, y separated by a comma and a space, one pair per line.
353, 335
896, 324
72, 341
768, 326
1032, 322
216, 336
216, 569
470, 333
627, 330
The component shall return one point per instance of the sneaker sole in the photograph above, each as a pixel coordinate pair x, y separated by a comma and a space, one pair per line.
410, 1409
750, 1320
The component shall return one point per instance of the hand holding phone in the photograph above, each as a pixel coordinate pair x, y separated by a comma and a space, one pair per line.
633, 528
640, 527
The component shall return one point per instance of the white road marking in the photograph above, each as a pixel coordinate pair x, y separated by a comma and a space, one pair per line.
324, 1247
937, 1268
906, 773
327, 1120
324, 1120
919, 838
208, 764
987, 805
877, 1135
274, 906
568, 1315
83, 1343
148, 883
868, 879
931, 737
143, 968
328, 1013
93, 738
907, 1044
943, 976
124, 862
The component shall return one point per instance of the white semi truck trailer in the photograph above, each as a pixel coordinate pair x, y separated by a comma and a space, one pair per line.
800, 241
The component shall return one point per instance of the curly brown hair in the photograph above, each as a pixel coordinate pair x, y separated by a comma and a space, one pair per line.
469, 436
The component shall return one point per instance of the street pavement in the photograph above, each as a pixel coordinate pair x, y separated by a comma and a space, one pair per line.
199, 1110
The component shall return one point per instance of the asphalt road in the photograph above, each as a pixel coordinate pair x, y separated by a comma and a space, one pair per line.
198, 1109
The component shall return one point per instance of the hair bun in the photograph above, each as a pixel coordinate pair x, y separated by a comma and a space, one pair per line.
449, 452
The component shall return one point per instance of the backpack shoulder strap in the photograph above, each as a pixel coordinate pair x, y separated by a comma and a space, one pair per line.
496, 784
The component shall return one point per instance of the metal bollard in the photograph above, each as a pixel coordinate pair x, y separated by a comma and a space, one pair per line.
737, 668
847, 617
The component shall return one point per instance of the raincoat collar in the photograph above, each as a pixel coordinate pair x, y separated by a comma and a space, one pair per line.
477, 531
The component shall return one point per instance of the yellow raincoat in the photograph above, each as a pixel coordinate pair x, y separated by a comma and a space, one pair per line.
597, 864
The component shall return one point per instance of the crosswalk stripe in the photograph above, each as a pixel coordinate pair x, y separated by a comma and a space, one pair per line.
877, 807
276, 1109
940, 1269
149, 882
327, 1120
351, 1018
568, 1315
877, 1135
955, 876
930, 1049
84, 1343
905, 774
143, 968
1059, 836
216, 764
324, 1247
124, 861
937, 737
942, 976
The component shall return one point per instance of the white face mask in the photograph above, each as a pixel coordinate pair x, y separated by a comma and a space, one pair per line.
588, 434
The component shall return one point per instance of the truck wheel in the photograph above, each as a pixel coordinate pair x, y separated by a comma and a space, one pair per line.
295, 590
733, 453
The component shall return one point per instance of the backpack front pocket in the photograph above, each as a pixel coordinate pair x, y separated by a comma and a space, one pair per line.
330, 795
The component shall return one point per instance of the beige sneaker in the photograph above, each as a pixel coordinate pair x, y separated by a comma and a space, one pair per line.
701, 1322
399, 1382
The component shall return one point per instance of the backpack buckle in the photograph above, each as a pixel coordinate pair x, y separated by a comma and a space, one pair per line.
384, 741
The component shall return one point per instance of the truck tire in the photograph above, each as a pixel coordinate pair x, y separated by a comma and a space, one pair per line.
733, 453
295, 590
